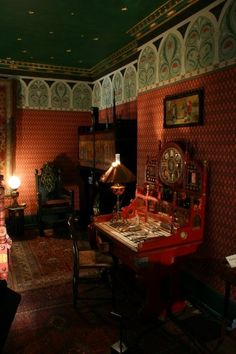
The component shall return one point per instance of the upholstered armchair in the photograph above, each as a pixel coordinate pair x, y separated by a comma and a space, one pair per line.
54, 202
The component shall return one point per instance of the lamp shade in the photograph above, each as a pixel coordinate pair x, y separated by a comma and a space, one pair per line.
118, 173
14, 182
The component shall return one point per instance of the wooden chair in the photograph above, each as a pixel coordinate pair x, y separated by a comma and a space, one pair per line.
89, 266
55, 203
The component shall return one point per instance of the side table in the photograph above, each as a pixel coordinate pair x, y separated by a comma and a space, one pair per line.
16, 220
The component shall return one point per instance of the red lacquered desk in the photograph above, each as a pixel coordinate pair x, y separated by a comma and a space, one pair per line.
150, 249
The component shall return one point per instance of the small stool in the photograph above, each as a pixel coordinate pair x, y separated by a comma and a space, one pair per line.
16, 220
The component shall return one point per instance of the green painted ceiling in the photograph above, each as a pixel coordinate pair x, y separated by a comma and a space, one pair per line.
75, 33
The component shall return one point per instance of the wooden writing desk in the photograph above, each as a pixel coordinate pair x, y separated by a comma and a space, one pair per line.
150, 248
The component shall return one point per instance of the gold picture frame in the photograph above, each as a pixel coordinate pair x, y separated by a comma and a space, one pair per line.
184, 109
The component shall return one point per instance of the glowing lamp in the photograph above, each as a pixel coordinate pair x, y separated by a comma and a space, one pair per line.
117, 174
14, 183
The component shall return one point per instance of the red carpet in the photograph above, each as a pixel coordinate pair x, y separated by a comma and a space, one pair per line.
41, 271
46, 323
40, 262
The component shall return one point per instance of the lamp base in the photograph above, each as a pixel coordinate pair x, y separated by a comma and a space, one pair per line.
14, 195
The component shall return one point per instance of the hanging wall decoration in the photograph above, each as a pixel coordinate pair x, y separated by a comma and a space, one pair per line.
184, 109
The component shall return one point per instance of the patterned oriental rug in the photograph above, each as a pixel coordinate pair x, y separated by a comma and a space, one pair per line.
46, 323
37, 262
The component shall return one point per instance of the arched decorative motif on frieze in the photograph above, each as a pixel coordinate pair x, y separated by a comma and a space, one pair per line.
170, 57
107, 94
21, 94
82, 96
60, 95
130, 83
97, 93
147, 66
227, 33
38, 94
117, 85
200, 44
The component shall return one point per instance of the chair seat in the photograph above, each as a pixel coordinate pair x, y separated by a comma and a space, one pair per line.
89, 265
91, 258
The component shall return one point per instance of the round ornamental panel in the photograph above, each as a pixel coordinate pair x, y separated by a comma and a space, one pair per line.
171, 164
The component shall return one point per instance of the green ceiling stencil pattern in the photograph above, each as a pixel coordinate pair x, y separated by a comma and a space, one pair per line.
106, 93
227, 40
60, 96
147, 67
130, 83
97, 93
118, 86
21, 93
200, 45
199, 48
38, 94
82, 97
170, 58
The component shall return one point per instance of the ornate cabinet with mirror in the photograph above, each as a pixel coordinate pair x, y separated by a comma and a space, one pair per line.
98, 145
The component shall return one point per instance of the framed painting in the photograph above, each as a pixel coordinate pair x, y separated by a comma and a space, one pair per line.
184, 109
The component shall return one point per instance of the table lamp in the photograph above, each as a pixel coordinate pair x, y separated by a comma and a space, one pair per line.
14, 183
118, 175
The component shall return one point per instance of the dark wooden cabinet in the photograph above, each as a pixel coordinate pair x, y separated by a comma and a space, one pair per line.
97, 149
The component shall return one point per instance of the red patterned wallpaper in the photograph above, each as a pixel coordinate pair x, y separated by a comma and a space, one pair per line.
215, 142
46, 136
126, 110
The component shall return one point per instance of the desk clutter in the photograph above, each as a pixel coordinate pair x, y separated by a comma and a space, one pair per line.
165, 219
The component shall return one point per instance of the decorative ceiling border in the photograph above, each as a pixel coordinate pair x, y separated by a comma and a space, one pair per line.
149, 24
43, 68
162, 14
115, 59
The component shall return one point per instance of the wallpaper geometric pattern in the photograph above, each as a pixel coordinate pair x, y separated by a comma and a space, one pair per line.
214, 142
42, 136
